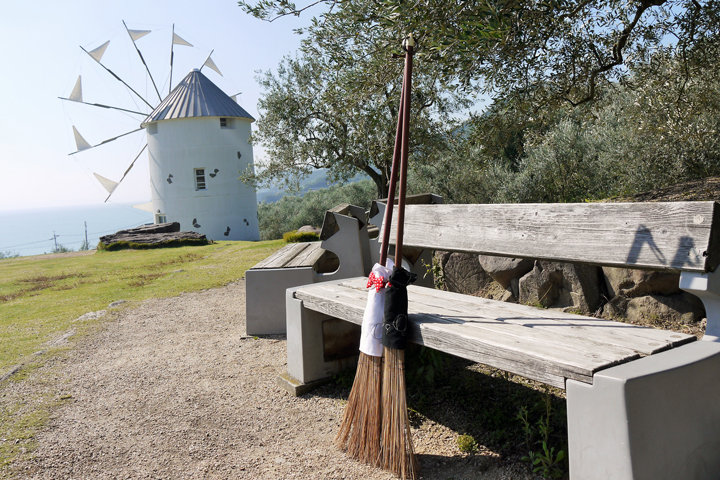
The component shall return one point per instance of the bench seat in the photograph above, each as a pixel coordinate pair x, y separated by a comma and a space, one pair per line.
550, 346
293, 255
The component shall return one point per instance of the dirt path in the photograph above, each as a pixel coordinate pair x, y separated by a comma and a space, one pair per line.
172, 389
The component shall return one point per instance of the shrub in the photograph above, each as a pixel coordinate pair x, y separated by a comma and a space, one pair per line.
297, 237
467, 444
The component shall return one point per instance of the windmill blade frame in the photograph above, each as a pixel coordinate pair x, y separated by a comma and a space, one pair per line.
117, 77
87, 146
142, 59
126, 171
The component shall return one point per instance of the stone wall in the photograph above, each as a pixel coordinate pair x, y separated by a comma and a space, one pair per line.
636, 296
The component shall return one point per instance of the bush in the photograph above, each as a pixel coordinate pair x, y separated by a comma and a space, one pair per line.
297, 237
467, 444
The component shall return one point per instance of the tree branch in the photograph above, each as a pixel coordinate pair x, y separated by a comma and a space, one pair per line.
617, 52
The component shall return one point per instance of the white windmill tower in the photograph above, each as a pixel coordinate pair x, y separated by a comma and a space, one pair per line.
198, 147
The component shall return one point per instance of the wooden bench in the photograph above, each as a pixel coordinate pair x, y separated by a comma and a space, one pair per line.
642, 403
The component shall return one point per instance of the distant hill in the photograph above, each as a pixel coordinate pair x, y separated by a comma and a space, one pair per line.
315, 181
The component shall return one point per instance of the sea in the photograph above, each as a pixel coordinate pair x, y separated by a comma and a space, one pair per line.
34, 232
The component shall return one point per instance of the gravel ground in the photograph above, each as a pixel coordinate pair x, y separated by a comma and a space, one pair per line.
173, 389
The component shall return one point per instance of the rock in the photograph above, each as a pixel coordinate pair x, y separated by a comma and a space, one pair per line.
632, 282
152, 235
168, 227
557, 284
657, 310
463, 274
504, 269
308, 229
540, 287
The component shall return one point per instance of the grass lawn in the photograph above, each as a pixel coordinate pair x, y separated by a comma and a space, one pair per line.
41, 296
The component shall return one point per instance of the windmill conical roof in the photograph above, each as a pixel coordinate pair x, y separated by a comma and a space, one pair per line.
196, 96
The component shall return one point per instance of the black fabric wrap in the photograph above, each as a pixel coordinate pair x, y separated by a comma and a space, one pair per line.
395, 321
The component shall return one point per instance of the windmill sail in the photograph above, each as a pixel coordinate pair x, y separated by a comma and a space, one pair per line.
210, 64
137, 34
80, 142
109, 185
98, 53
178, 40
76, 94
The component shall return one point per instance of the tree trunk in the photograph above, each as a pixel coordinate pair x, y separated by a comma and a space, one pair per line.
381, 183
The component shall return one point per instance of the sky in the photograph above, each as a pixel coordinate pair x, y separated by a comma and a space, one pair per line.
40, 50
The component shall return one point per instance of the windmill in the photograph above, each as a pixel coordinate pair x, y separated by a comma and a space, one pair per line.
197, 146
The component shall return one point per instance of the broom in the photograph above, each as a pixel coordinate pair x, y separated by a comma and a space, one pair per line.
396, 449
359, 433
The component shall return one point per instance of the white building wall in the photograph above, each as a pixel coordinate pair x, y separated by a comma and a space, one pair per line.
227, 208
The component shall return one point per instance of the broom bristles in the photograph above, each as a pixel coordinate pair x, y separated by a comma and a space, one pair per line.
359, 433
396, 449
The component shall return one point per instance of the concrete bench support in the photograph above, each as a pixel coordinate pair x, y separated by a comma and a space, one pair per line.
318, 346
655, 418
265, 297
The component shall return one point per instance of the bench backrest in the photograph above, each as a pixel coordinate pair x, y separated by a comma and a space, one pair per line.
681, 236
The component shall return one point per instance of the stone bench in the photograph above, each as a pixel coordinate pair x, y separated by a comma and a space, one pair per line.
642, 403
342, 252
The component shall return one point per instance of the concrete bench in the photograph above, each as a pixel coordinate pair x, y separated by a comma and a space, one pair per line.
342, 252
642, 403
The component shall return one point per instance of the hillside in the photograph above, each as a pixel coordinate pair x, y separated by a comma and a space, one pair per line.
696, 190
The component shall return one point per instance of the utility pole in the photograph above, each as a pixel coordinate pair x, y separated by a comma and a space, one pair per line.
87, 245
55, 239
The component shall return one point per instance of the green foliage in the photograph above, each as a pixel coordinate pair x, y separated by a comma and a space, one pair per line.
467, 444
297, 237
125, 245
591, 99
40, 297
548, 462
425, 364
9, 254
547, 52
292, 212
335, 105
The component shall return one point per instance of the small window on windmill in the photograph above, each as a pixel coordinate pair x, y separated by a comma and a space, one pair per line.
152, 128
199, 179
160, 218
225, 122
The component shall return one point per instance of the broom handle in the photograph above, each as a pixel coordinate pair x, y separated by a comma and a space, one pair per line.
407, 83
387, 220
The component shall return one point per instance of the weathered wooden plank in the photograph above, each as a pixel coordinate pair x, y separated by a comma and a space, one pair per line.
578, 354
511, 337
426, 330
293, 255
307, 256
669, 236
645, 340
